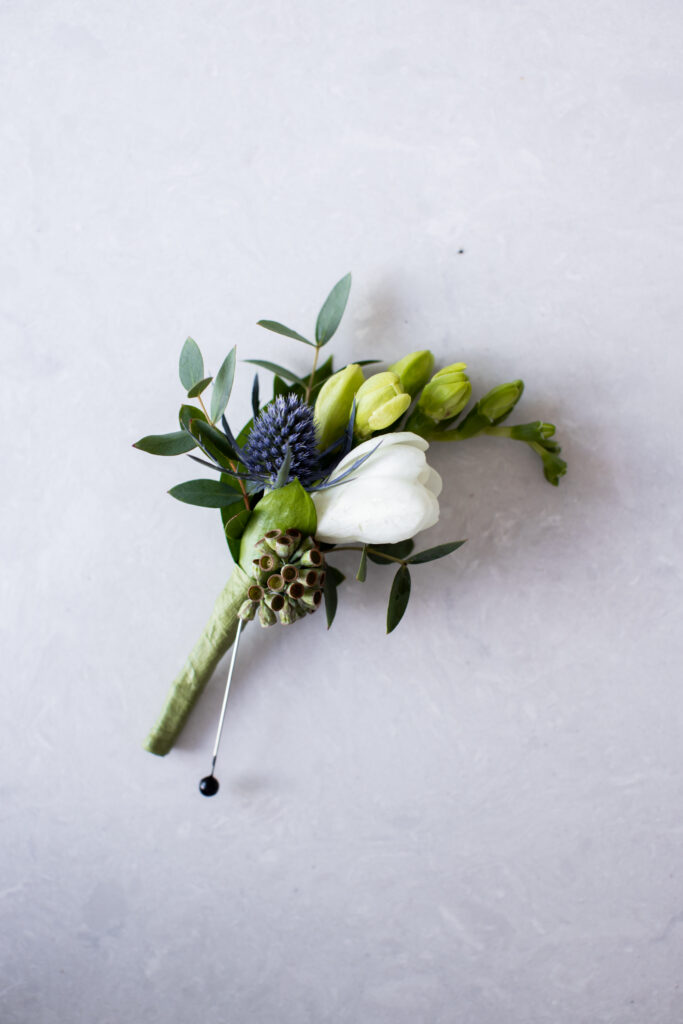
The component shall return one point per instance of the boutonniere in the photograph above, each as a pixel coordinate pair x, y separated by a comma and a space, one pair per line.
332, 461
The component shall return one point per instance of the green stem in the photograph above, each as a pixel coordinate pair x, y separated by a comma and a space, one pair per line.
371, 551
188, 685
311, 379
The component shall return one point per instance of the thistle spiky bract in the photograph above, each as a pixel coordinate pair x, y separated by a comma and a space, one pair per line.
286, 423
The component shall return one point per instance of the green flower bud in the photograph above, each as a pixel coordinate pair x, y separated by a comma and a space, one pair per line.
311, 599
380, 401
266, 616
500, 401
275, 602
312, 557
288, 615
247, 610
333, 404
446, 394
414, 370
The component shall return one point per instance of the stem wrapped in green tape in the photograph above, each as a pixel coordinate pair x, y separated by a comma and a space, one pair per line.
215, 640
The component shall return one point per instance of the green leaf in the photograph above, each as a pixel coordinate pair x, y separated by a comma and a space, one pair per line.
333, 577
176, 443
206, 493
332, 311
430, 554
188, 413
273, 325
280, 387
398, 598
223, 385
206, 432
191, 366
274, 368
362, 573
198, 388
400, 550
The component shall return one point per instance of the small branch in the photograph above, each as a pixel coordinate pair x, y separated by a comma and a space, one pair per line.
309, 386
201, 402
371, 551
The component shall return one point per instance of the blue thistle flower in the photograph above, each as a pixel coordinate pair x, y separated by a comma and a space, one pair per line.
285, 422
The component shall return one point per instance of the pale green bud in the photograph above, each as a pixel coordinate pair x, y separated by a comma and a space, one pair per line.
414, 370
446, 394
501, 400
266, 616
380, 401
334, 402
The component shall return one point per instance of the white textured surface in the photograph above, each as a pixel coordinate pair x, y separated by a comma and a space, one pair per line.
478, 819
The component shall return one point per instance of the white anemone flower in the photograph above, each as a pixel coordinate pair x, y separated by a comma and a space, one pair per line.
390, 497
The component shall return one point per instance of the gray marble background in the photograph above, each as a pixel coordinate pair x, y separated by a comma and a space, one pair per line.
478, 819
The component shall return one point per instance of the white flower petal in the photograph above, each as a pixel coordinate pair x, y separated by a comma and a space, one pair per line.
403, 437
371, 512
431, 480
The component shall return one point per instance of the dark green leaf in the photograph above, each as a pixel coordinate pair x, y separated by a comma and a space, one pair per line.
273, 325
198, 388
280, 387
223, 386
255, 406
333, 577
430, 554
206, 432
177, 443
191, 366
274, 368
207, 493
400, 550
362, 573
188, 413
398, 598
332, 311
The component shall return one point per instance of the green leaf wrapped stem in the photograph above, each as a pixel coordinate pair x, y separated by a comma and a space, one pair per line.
216, 638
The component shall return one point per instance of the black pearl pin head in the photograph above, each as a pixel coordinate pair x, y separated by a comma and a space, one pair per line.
209, 785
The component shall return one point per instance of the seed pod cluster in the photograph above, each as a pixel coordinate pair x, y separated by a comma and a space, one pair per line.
288, 576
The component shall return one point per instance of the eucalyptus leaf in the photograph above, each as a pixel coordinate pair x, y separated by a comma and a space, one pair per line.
431, 554
362, 573
332, 311
400, 550
273, 325
207, 432
191, 365
202, 385
206, 493
223, 385
281, 371
398, 598
176, 443
333, 577
188, 413
281, 387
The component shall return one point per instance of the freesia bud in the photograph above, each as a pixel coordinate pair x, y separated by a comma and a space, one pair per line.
379, 403
414, 370
447, 393
500, 401
334, 402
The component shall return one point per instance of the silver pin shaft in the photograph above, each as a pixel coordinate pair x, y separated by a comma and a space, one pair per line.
227, 691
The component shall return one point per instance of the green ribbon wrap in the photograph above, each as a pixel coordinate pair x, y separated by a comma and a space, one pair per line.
216, 639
